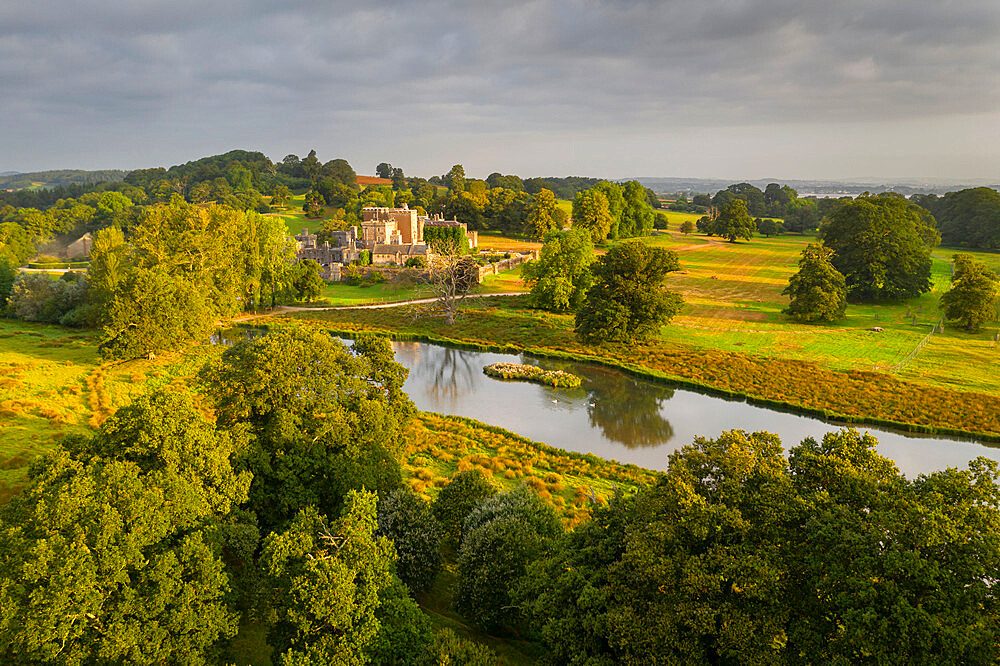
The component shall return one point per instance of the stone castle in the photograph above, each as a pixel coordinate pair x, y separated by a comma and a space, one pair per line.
392, 235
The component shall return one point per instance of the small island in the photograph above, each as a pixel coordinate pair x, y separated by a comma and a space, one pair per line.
531, 373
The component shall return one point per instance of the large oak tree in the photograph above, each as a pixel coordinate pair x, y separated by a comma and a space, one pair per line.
882, 245
627, 302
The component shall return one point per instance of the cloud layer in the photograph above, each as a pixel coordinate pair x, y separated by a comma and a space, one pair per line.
553, 86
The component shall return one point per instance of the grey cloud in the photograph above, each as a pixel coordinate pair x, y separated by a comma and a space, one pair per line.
268, 69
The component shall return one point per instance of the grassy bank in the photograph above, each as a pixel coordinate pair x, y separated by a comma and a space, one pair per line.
439, 446
849, 395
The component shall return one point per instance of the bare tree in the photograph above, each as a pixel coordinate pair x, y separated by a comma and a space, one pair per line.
450, 276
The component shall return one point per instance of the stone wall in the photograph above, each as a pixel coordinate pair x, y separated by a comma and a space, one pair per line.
506, 264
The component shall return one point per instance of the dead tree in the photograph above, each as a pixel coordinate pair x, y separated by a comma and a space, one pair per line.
450, 276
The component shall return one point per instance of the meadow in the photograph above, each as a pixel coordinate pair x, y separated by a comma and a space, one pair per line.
53, 383
439, 446
734, 303
295, 218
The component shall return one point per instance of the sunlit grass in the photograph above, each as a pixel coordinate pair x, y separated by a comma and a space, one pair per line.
436, 447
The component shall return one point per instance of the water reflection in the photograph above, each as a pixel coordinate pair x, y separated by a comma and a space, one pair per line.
230, 336
627, 414
625, 409
446, 374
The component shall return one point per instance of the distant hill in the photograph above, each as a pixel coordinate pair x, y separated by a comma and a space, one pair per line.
822, 188
12, 180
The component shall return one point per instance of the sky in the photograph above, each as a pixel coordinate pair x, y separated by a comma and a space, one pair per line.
741, 89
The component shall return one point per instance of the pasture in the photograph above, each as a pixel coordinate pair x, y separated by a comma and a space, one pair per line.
733, 302
295, 219
54, 383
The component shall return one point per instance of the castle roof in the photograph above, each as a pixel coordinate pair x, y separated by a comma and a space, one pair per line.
408, 249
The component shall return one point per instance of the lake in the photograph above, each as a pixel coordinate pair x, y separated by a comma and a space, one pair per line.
626, 418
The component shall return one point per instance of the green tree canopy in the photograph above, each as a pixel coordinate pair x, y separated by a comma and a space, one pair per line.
739, 555
968, 218
972, 299
326, 420
408, 522
882, 246
818, 291
591, 211
734, 221
183, 268
306, 282
326, 581
768, 227
16, 244
464, 492
541, 217
561, 276
637, 213
802, 215
112, 552
502, 535
455, 179
280, 196
627, 302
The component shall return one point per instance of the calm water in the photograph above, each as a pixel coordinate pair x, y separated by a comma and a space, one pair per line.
615, 415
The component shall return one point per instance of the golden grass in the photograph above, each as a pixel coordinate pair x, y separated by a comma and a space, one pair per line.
557, 476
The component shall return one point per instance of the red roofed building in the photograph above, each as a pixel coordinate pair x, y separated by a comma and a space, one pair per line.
372, 180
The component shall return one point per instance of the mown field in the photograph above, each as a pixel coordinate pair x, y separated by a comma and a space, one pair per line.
734, 303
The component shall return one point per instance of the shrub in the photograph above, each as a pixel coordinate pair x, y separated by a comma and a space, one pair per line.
407, 520
502, 536
450, 648
353, 277
36, 297
457, 500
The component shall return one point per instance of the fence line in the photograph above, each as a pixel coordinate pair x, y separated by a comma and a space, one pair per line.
936, 328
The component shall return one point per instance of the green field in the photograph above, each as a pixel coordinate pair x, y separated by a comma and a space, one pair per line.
53, 383
295, 219
499, 243
339, 293
733, 302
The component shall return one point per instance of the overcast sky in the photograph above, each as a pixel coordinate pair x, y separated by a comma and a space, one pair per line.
702, 88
